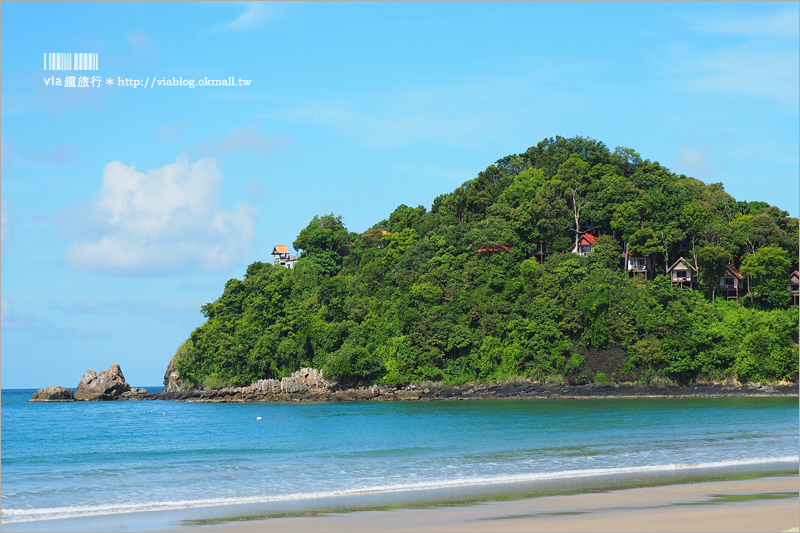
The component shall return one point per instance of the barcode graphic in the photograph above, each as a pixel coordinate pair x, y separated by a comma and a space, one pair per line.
70, 61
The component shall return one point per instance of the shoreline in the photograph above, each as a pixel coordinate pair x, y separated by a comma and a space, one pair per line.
764, 504
477, 391
543, 505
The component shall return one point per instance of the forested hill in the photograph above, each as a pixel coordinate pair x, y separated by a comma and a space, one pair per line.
484, 286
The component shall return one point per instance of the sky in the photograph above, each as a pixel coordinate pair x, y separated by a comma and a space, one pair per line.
125, 209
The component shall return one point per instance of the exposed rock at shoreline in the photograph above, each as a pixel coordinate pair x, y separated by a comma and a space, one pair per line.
307, 385
53, 393
107, 385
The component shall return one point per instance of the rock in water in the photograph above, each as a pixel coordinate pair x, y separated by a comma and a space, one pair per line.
107, 385
53, 393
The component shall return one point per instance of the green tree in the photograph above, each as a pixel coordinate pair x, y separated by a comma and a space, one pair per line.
712, 260
769, 267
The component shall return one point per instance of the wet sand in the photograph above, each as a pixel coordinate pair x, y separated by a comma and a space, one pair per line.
763, 504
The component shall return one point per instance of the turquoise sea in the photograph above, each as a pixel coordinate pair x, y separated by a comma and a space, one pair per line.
89, 459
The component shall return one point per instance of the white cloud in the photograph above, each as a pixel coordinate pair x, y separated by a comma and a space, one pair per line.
240, 140
765, 62
783, 24
254, 15
745, 70
691, 162
166, 220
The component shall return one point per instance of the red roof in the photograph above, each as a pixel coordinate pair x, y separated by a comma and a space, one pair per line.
501, 248
586, 239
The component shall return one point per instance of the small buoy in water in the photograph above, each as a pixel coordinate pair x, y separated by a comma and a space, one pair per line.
258, 418
165, 414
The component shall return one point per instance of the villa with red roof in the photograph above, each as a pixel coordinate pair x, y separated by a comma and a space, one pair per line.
584, 245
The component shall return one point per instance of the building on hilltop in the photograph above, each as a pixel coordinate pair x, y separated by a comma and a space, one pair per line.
683, 273
282, 257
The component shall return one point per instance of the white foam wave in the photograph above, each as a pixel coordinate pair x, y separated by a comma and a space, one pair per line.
28, 515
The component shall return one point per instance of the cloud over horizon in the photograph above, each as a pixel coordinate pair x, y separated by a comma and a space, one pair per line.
163, 221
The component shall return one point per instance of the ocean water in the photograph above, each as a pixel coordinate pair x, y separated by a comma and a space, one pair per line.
83, 459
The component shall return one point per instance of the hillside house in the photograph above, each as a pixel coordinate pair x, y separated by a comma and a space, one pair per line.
584, 245
682, 273
730, 282
282, 257
638, 264
794, 287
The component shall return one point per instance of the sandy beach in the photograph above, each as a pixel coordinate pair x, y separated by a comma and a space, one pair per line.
765, 504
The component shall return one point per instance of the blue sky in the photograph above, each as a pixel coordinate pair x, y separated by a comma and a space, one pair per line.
125, 209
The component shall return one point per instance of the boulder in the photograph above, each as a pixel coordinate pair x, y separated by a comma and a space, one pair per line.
107, 385
53, 393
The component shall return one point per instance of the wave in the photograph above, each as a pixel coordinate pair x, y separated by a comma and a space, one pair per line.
10, 516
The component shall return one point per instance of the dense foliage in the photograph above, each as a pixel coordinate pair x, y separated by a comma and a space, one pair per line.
458, 293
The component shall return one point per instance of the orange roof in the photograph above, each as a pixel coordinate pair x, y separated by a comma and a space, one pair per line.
384, 232
280, 249
795, 275
501, 248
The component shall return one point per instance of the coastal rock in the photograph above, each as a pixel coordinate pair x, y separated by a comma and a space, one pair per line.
304, 380
107, 385
53, 393
173, 382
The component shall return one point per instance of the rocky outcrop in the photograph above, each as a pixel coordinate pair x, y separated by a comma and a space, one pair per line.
107, 385
307, 386
53, 393
173, 382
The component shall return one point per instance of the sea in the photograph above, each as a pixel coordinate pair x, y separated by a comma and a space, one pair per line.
138, 465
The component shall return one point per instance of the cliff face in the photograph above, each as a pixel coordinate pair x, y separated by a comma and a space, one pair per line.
173, 382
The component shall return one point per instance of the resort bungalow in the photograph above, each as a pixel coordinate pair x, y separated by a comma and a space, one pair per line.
683, 273
794, 287
584, 245
730, 282
638, 264
282, 257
